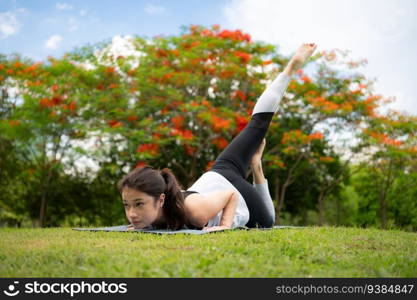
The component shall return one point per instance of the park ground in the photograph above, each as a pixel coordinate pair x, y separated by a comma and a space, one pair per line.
290, 252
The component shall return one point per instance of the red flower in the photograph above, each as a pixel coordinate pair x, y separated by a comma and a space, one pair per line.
132, 118
300, 72
225, 34
165, 110
306, 79
220, 142
326, 159
109, 70
140, 164
239, 94
219, 123
194, 28
72, 106
148, 148
56, 100
45, 102
244, 57
316, 136
114, 123
156, 136
166, 77
54, 88
241, 123
131, 72
226, 73
14, 123
177, 121
215, 27
189, 150
17, 64
161, 53
187, 134
207, 32
209, 165
175, 52
236, 35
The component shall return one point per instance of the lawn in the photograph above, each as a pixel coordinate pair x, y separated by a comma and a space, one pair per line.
294, 252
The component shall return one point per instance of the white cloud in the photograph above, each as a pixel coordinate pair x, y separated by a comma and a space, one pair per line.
53, 42
72, 24
83, 12
9, 24
63, 6
376, 30
151, 9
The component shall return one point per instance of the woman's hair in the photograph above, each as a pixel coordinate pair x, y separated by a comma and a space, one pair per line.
155, 182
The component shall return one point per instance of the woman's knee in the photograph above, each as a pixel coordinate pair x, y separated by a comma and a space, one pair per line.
268, 221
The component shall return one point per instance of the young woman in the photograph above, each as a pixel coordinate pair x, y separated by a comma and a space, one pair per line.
221, 198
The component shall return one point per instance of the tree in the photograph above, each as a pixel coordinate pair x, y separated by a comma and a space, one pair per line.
392, 153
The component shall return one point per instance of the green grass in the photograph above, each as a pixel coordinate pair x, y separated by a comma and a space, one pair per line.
301, 252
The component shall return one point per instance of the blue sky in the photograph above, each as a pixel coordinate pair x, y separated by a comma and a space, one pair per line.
384, 32
82, 22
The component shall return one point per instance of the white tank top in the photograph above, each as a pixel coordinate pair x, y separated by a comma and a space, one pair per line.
212, 181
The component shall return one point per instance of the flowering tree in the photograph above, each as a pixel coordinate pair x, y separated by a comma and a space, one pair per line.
185, 99
392, 152
329, 101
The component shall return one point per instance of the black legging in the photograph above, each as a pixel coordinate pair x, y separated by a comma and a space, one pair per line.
234, 161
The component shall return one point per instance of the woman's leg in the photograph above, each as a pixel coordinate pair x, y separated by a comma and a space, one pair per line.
234, 161
238, 153
260, 182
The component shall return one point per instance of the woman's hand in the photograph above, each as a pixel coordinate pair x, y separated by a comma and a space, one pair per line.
216, 228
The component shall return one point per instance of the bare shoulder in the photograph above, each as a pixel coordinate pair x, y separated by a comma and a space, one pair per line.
191, 205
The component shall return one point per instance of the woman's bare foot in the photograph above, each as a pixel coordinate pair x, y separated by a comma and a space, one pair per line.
300, 57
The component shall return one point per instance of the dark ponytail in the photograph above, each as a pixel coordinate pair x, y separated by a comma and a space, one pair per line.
154, 183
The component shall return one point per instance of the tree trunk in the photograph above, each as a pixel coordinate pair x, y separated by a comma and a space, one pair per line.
383, 209
281, 201
320, 206
42, 211
338, 211
44, 197
277, 211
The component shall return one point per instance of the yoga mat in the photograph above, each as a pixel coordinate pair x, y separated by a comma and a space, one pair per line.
123, 228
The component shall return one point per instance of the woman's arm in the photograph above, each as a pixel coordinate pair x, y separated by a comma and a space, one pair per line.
200, 209
229, 211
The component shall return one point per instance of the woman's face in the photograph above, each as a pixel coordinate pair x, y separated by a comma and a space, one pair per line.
140, 209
